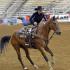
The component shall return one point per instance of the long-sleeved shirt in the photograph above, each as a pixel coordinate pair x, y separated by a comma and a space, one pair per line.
36, 18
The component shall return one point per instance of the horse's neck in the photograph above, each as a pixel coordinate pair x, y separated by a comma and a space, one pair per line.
43, 30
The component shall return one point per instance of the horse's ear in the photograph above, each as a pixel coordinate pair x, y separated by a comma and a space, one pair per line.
53, 18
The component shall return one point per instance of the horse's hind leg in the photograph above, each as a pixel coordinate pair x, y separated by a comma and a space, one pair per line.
19, 57
29, 58
49, 51
45, 57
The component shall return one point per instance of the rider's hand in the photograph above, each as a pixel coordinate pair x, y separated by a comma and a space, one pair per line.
35, 23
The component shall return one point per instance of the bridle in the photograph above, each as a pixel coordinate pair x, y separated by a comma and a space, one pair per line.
51, 37
48, 40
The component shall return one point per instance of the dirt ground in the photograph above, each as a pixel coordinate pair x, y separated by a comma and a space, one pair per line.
60, 45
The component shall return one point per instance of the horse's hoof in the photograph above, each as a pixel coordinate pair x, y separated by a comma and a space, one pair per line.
53, 63
36, 67
51, 68
25, 68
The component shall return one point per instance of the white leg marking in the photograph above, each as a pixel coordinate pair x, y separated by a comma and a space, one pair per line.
35, 66
25, 68
50, 65
53, 60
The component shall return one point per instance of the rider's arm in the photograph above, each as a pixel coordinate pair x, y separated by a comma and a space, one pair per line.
32, 19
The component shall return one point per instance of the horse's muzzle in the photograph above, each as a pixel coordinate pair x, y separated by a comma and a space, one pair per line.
58, 33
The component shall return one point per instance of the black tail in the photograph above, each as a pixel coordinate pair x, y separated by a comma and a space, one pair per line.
4, 40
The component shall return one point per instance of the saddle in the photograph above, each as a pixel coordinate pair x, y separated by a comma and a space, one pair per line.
29, 35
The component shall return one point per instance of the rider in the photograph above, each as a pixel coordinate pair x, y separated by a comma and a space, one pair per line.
37, 16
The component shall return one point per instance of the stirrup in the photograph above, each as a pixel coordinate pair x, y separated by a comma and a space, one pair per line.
26, 44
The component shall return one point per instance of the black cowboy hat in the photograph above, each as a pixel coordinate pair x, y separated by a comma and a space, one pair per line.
39, 8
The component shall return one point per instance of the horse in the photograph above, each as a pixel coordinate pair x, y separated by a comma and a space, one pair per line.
38, 40
3, 41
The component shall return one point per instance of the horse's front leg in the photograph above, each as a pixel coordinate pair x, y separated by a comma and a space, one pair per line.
49, 51
45, 57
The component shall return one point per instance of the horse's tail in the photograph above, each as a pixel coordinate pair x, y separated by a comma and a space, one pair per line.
4, 40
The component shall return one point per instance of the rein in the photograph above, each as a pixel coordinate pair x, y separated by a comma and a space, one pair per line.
48, 40
51, 36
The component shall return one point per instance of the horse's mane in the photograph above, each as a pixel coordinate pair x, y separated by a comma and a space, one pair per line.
44, 25
44, 22
47, 21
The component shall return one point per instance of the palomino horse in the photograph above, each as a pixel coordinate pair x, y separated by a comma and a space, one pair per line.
40, 41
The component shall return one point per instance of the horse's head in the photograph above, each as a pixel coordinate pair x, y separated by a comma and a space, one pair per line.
45, 26
53, 25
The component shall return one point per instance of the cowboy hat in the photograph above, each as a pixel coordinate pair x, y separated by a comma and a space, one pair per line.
39, 8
